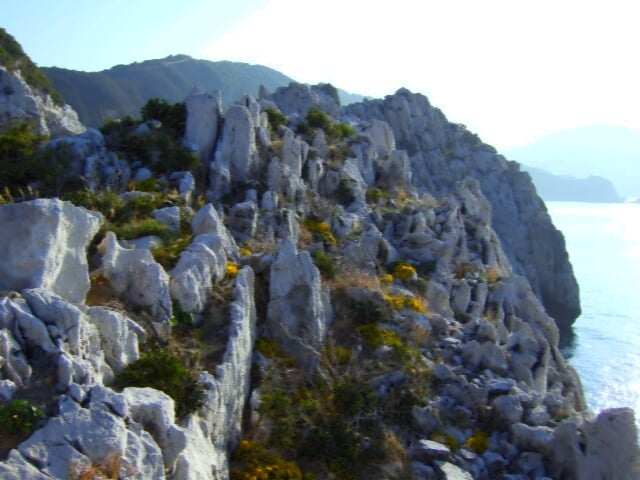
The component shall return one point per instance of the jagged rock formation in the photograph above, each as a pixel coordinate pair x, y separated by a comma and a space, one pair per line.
373, 263
442, 154
20, 103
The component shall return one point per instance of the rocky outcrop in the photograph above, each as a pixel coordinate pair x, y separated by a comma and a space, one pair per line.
137, 278
443, 154
20, 103
204, 117
217, 428
428, 331
43, 243
296, 315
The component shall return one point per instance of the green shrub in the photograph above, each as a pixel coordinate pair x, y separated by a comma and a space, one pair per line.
316, 118
13, 58
373, 195
478, 442
141, 228
19, 417
173, 117
276, 119
325, 264
342, 130
160, 369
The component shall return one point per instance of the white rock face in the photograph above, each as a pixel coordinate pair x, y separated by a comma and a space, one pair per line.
603, 448
98, 425
298, 99
119, 335
202, 263
296, 316
19, 103
218, 426
236, 157
43, 243
137, 278
443, 154
204, 116
207, 221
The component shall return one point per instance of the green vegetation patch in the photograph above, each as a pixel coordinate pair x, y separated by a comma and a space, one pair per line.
19, 417
160, 369
13, 58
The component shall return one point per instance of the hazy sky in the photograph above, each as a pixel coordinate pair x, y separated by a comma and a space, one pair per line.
508, 69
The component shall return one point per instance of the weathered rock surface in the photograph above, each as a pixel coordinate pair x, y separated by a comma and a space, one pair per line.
43, 244
443, 154
296, 315
20, 103
137, 278
217, 428
204, 116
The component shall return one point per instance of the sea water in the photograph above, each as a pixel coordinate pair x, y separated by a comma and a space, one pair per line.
603, 241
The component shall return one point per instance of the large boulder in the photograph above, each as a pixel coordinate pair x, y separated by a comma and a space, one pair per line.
204, 116
296, 314
43, 243
137, 278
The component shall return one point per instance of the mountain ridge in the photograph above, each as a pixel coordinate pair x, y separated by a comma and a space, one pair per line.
123, 89
605, 150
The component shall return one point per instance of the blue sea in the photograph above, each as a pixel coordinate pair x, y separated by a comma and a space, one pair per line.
603, 241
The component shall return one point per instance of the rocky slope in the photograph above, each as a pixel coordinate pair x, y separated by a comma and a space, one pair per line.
28, 97
349, 294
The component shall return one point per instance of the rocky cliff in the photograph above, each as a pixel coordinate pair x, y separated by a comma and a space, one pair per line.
350, 293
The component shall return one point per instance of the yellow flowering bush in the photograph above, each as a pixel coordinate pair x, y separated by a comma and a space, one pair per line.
400, 302
245, 249
478, 442
232, 269
386, 279
256, 463
321, 231
404, 271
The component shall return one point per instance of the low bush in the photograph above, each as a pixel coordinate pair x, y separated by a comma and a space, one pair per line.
276, 119
253, 461
162, 370
320, 231
325, 264
19, 417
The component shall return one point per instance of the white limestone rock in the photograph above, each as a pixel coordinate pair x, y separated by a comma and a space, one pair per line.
137, 278
236, 157
443, 154
20, 103
77, 340
216, 428
297, 98
603, 448
200, 264
154, 410
296, 316
242, 221
120, 337
204, 118
43, 243
170, 216
208, 221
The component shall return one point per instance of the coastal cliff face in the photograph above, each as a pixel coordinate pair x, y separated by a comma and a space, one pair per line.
443, 154
358, 295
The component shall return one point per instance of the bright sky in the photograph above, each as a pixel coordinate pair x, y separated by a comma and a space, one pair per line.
510, 70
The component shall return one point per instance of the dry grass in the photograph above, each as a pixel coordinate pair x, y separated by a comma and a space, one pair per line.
108, 468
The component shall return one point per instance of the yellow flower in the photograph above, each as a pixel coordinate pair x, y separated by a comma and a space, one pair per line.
232, 269
404, 271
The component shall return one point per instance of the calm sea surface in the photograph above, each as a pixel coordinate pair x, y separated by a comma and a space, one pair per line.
603, 241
